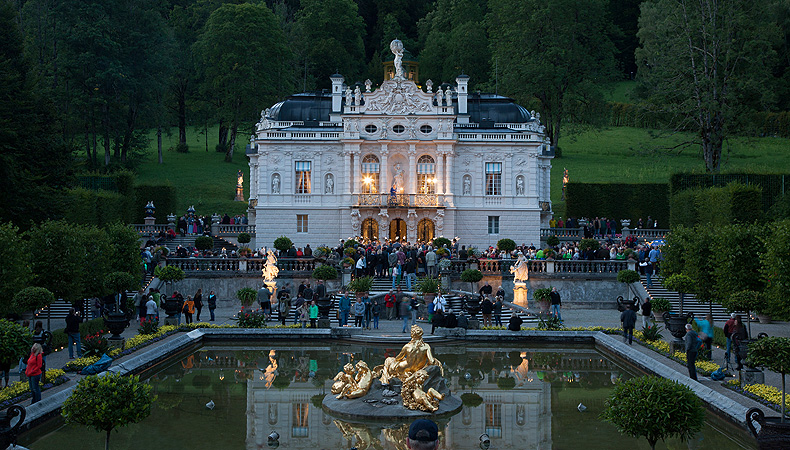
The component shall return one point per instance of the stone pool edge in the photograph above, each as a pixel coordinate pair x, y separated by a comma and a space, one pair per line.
731, 410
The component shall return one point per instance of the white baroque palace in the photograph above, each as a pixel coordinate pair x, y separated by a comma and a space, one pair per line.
399, 163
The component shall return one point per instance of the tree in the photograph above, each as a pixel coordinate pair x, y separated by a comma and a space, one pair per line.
124, 247
654, 407
681, 284
15, 341
15, 271
555, 54
245, 62
332, 32
704, 64
506, 245
455, 41
62, 270
773, 353
736, 262
32, 298
471, 276
107, 402
775, 268
325, 272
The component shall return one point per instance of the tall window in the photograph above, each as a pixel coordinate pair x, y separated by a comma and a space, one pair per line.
494, 420
299, 413
493, 178
493, 224
303, 177
426, 178
370, 174
301, 223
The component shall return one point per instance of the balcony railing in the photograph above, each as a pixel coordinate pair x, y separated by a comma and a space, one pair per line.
399, 200
294, 266
220, 230
502, 266
575, 234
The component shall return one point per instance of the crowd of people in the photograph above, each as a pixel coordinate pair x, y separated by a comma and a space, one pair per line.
599, 226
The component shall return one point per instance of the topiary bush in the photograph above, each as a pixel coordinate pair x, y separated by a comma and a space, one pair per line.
553, 241
350, 243
325, 272
169, 274
589, 244
120, 282
471, 276
772, 353
204, 243
283, 243
627, 276
244, 238
32, 298
442, 242
506, 245
654, 407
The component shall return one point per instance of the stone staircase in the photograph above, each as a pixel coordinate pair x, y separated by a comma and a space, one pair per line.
690, 302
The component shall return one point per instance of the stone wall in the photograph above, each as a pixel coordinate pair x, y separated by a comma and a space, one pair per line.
226, 287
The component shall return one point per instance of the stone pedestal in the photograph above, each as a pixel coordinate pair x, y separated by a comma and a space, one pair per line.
239, 194
752, 376
520, 294
474, 324
324, 323
116, 343
346, 276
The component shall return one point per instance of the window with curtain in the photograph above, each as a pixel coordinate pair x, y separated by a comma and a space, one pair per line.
370, 174
303, 177
493, 178
301, 223
426, 175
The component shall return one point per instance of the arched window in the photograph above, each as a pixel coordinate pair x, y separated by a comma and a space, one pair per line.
370, 174
426, 178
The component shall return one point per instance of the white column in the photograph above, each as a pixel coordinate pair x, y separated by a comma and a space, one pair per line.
357, 172
507, 177
480, 175
384, 184
439, 171
412, 169
346, 182
449, 179
533, 178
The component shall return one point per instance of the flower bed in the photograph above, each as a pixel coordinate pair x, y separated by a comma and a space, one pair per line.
20, 390
767, 395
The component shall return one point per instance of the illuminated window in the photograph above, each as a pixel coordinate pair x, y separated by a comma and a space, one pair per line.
493, 178
302, 177
494, 420
370, 174
426, 178
300, 424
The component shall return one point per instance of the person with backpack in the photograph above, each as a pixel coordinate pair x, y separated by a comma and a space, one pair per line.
188, 308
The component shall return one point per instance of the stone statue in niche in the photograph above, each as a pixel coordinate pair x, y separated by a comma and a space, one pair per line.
467, 185
398, 179
275, 184
519, 185
329, 184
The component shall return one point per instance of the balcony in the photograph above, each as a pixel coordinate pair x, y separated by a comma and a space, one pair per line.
399, 200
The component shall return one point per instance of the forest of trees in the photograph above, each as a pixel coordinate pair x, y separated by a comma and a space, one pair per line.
90, 79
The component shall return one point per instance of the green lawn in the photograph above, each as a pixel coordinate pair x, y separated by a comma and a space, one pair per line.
201, 178
617, 154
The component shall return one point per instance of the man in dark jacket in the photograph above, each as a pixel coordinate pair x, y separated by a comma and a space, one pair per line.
628, 319
515, 323
556, 303
692, 346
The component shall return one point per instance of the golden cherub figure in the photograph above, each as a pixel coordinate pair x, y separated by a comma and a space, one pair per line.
414, 397
343, 379
415, 355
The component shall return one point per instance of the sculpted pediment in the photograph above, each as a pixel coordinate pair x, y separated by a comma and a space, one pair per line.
399, 97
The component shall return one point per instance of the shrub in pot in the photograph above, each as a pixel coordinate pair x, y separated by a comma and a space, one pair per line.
506, 245
244, 238
203, 243
247, 296
283, 243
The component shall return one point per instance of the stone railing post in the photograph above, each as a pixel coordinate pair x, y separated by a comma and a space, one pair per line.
550, 266
171, 221
626, 232
215, 219
631, 264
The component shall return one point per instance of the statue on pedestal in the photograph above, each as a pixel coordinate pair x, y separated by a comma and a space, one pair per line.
520, 269
397, 49
270, 269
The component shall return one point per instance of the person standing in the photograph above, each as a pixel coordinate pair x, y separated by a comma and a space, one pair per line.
556, 303
415, 307
139, 305
189, 309
283, 308
739, 337
692, 344
647, 310
628, 319
151, 310
706, 332
313, 314
430, 262
486, 289
375, 310
298, 305
345, 307
304, 313
198, 303
389, 304
649, 274
73, 332
264, 298
498, 311
34, 370
212, 304
728, 326
403, 312
359, 312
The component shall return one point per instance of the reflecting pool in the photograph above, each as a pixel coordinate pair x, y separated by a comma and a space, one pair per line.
523, 398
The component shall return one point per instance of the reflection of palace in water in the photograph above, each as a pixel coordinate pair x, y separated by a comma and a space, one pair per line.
515, 411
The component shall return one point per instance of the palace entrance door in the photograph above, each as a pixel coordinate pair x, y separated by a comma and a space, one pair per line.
370, 229
398, 230
425, 230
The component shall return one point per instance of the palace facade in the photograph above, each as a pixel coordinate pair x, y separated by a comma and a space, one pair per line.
399, 162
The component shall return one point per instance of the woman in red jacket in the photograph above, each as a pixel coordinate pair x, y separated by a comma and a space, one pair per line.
34, 370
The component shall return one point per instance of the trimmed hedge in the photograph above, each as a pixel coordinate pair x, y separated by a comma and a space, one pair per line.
163, 196
735, 203
773, 186
98, 208
619, 201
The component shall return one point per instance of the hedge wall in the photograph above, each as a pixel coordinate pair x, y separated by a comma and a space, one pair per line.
98, 208
619, 201
735, 203
164, 197
773, 186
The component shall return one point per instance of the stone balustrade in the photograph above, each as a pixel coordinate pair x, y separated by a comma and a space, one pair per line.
543, 267
229, 266
217, 229
577, 234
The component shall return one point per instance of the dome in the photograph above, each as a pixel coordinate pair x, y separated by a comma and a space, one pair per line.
308, 107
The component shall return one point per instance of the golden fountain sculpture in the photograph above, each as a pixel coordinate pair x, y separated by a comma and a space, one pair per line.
409, 366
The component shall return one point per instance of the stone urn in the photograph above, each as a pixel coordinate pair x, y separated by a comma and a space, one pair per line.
172, 306
676, 324
116, 322
763, 318
324, 305
8, 433
472, 306
773, 433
